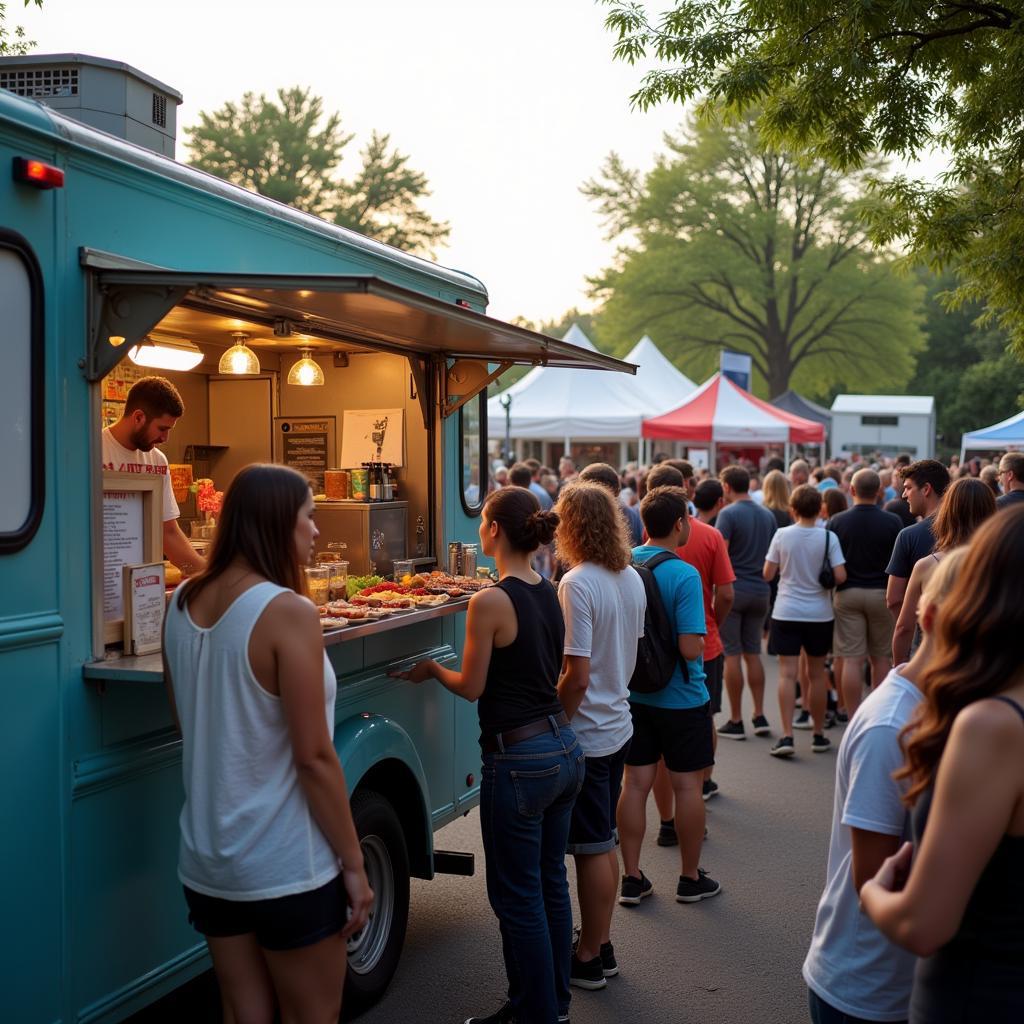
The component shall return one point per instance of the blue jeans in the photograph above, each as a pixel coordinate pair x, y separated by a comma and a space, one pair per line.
826, 1013
527, 793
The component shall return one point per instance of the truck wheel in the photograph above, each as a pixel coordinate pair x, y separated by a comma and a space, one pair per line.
374, 952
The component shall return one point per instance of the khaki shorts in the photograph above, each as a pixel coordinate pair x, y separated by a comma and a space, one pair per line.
864, 625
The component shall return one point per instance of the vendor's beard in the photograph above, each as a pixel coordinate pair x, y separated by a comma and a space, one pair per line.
139, 441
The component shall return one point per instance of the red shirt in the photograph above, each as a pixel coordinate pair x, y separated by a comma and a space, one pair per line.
706, 552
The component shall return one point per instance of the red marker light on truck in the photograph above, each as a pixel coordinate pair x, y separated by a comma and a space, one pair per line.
37, 174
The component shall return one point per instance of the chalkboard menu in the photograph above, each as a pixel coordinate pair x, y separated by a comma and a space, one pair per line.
306, 443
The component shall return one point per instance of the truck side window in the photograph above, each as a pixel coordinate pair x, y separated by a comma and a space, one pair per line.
473, 472
21, 393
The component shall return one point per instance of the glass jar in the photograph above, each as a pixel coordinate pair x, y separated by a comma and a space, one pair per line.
403, 569
337, 585
469, 553
318, 578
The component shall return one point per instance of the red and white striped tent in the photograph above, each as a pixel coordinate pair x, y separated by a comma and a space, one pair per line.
720, 412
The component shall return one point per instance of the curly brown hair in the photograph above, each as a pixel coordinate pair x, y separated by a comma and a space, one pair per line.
592, 527
975, 653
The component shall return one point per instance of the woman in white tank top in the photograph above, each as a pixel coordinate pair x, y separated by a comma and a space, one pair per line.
269, 856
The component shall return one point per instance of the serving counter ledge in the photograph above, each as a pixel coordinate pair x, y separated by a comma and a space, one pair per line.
148, 668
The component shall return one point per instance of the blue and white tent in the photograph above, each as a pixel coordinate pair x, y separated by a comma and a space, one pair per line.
1007, 434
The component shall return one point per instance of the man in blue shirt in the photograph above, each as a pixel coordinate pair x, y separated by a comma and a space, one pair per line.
673, 723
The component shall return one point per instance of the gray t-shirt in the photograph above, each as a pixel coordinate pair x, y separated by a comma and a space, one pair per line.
748, 528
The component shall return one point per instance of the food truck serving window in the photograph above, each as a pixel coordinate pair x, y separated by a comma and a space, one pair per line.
474, 473
21, 393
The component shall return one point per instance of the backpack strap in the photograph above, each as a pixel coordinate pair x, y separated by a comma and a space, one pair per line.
654, 561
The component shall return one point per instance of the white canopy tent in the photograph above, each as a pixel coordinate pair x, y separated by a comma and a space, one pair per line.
1008, 433
551, 403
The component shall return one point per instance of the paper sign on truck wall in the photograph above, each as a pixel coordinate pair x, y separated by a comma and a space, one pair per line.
144, 605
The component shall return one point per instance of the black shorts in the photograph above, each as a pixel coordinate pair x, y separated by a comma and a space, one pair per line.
713, 672
592, 828
683, 736
286, 922
789, 637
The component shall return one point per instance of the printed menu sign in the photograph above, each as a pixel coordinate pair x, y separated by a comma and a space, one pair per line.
306, 444
144, 604
122, 545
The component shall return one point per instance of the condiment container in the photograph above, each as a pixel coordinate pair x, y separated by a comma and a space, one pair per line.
337, 586
403, 569
469, 552
318, 579
360, 484
455, 558
336, 484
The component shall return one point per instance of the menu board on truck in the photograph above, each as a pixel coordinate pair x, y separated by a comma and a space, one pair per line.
145, 600
306, 443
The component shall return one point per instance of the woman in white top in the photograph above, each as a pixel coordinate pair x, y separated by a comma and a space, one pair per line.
269, 855
802, 616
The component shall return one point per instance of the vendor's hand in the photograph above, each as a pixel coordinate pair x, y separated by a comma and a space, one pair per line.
360, 899
892, 875
419, 673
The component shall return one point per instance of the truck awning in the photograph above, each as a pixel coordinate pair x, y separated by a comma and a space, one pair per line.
346, 310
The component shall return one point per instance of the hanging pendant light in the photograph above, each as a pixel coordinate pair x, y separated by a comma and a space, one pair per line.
239, 359
306, 372
165, 355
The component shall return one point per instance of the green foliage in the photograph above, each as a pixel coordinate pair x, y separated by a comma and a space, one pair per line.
13, 41
965, 365
289, 150
842, 81
730, 243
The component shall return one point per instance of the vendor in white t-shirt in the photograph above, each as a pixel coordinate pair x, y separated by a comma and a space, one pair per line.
152, 408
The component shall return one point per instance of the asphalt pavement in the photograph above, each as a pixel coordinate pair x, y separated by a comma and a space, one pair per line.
733, 959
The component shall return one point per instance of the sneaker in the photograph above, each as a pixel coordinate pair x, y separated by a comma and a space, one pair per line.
783, 747
589, 975
819, 743
609, 965
842, 717
667, 834
563, 1018
761, 726
732, 731
710, 789
635, 889
503, 1015
690, 891
803, 721
830, 719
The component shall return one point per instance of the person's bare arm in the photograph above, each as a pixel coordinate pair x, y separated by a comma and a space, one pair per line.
299, 654
691, 646
573, 682
895, 591
869, 852
977, 788
725, 594
903, 634
770, 570
483, 619
179, 551
840, 573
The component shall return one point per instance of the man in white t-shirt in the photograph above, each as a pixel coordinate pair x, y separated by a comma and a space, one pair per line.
152, 408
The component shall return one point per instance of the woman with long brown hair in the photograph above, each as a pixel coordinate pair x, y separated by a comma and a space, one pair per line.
960, 904
965, 506
269, 856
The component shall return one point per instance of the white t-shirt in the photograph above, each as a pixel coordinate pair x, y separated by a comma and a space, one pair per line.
851, 964
604, 619
123, 460
799, 552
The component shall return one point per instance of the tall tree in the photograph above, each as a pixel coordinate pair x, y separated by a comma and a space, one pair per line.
289, 149
13, 41
731, 243
846, 80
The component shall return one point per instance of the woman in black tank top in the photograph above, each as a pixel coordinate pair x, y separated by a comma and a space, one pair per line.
532, 764
960, 905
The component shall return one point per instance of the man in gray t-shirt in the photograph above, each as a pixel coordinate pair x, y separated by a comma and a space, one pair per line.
747, 529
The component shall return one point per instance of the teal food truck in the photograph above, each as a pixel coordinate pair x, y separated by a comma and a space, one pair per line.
106, 248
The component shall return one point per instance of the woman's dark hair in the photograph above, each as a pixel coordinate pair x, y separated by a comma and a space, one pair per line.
975, 653
517, 511
257, 524
965, 506
834, 501
805, 501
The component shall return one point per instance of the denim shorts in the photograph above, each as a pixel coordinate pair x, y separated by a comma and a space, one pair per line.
592, 829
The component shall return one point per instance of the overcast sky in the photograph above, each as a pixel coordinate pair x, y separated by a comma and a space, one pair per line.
506, 107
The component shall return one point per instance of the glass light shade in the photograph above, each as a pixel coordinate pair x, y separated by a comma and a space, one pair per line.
166, 355
306, 372
239, 359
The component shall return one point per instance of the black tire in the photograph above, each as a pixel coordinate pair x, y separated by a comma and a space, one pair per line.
374, 953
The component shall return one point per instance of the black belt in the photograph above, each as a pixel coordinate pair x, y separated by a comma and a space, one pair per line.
489, 744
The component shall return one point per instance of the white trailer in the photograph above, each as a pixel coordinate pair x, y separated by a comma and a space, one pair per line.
888, 424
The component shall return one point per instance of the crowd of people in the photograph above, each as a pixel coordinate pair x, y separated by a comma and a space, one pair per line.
627, 605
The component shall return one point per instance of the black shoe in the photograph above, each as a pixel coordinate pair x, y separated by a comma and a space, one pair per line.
689, 891
710, 789
761, 726
589, 975
842, 717
732, 731
609, 965
503, 1015
635, 889
830, 719
803, 721
819, 743
667, 834
783, 747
